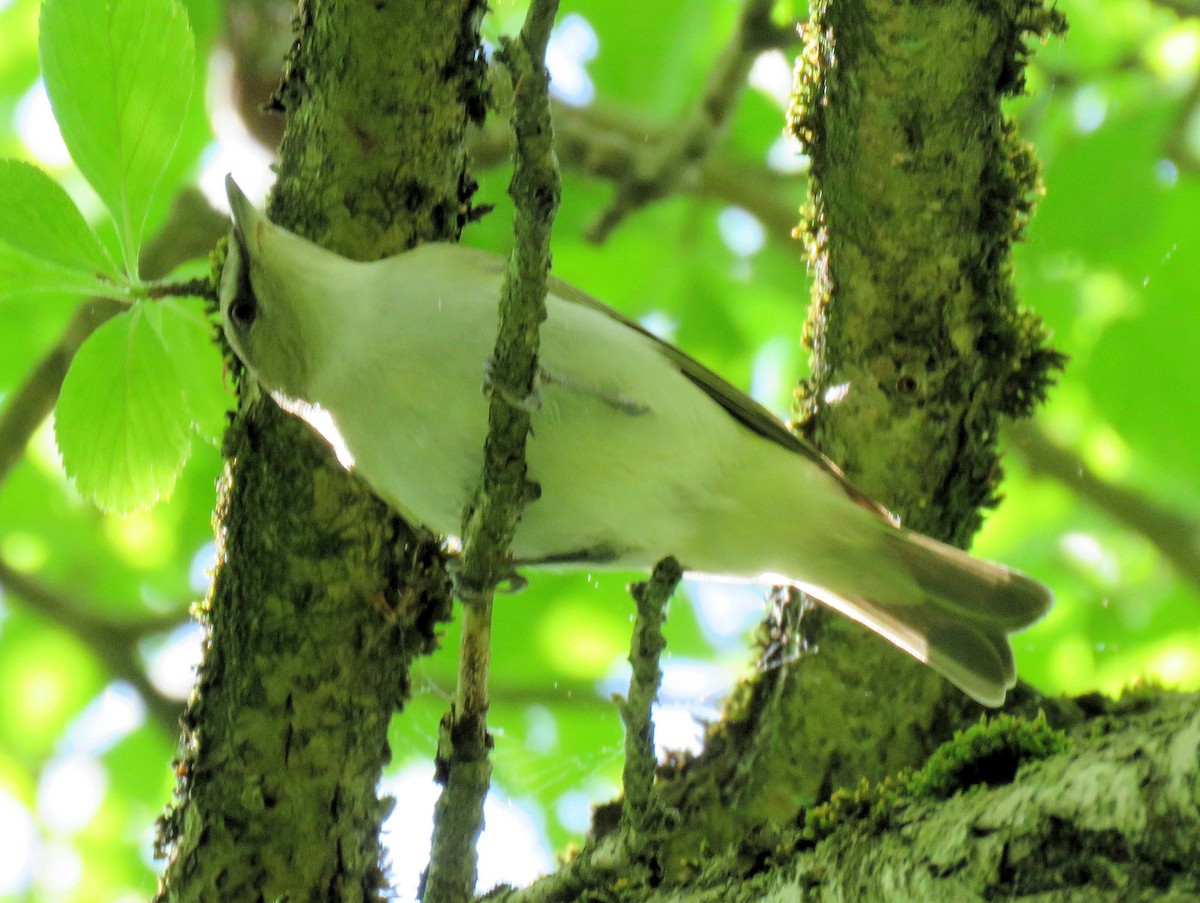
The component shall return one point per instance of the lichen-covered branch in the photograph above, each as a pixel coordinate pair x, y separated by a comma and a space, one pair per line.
323, 596
1006, 813
645, 649
463, 764
919, 187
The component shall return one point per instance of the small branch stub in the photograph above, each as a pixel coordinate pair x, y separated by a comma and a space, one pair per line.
645, 650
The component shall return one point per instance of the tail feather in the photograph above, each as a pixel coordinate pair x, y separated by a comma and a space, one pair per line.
957, 616
976, 661
975, 589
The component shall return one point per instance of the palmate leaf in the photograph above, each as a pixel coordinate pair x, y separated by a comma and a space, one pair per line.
45, 244
21, 274
119, 75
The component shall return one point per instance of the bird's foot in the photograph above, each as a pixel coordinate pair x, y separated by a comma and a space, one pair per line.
529, 402
471, 593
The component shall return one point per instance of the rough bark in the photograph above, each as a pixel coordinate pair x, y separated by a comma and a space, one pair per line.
322, 596
919, 186
1113, 817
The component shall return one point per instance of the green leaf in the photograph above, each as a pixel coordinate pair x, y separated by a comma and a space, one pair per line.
188, 337
40, 219
119, 75
45, 243
122, 421
21, 274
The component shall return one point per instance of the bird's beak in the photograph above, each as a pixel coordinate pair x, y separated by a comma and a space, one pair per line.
245, 217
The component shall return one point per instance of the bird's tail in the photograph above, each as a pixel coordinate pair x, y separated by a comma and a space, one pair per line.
946, 608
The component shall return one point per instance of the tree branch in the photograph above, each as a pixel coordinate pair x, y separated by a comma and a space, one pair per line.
287, 730
1111, 819
1173, 533
113, 642
645, 649
491, 520
697, 136
919, 185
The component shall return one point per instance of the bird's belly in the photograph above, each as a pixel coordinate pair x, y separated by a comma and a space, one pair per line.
429, 468
625, 450
609, 496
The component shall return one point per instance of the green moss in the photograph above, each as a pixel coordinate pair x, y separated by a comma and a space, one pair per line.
987, 753
865, 803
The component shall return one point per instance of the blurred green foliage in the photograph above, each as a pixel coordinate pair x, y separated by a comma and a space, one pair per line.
1112, 262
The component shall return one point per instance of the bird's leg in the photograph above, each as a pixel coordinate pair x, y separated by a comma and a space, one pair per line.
510, 582
528, 403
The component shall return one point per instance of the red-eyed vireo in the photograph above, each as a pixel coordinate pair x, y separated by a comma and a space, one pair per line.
640, 452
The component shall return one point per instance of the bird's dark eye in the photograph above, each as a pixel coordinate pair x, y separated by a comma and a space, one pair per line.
243, 311
243, 306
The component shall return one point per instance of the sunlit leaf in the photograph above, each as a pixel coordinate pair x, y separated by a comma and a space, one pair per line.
122, 420
38, 218
188, 337
119, 75
21, 274
45, 243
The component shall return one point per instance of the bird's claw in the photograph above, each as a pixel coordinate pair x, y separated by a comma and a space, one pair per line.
529, 403
510, 581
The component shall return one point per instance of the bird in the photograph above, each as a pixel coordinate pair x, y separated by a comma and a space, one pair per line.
639, 451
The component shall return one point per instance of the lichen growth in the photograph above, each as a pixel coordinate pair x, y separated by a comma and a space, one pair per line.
920, 186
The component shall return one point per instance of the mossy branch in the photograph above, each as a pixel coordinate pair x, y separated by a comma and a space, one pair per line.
645, 651
491, 519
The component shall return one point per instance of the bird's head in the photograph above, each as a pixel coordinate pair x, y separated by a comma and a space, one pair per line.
273, 312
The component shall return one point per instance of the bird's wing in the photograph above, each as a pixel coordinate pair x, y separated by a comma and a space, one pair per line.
736, 403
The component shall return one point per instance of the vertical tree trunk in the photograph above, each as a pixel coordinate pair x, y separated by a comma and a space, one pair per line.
323, 596
919, 186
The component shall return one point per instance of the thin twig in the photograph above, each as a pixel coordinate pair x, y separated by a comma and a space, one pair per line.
188, 288
645, 650
1173, 533
490, 521
697, 136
